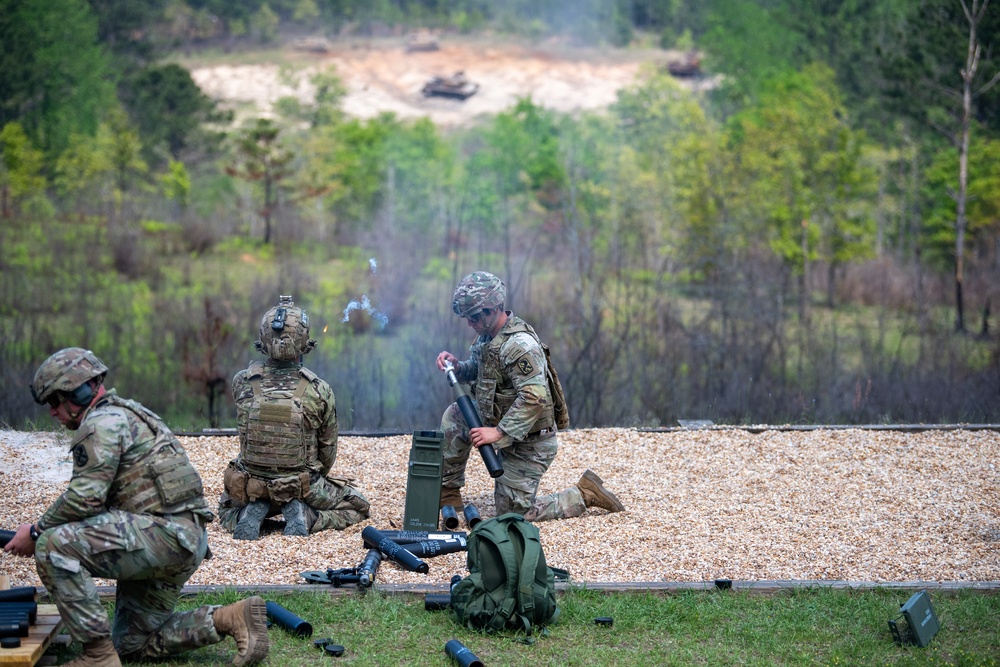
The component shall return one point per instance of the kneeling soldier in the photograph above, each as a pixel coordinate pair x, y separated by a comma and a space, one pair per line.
287, 419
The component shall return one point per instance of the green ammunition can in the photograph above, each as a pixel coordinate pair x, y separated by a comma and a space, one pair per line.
423, 481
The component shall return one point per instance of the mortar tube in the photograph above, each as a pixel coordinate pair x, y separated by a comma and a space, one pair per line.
457, 651
374, 539
449, 517
472, 420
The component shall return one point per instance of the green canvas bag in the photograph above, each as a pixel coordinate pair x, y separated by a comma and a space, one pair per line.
509, 586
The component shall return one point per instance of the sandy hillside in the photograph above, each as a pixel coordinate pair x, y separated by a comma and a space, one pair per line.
822, 505
382, 76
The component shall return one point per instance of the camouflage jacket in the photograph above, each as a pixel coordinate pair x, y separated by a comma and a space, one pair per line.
319, 409
110, 445
508, 376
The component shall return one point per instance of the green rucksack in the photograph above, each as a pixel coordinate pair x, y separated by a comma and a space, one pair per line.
509, 585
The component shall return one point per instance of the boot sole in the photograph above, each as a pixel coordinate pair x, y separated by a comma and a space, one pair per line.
598, 485
295, 522
248, 527
255, 615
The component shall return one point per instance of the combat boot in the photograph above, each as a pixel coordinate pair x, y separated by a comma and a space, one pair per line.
251, 516
451, 496
98, 653
595, 495
246, 622
299, 518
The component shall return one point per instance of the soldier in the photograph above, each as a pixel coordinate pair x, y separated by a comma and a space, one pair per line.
135, 512
508, 369
287, 419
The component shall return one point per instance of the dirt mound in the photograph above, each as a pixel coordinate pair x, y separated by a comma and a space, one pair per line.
383, 76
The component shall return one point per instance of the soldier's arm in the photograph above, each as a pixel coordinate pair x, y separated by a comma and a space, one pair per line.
468, 370
524, 363
326, 435
97, 449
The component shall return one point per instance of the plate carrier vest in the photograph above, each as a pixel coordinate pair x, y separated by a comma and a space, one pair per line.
276, 441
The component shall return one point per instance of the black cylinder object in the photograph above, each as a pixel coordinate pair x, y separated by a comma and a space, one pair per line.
449, 517
369, 567
472, 420
407, 536
431, 548
464, 657
471, 516
374, 539
29, 608
10, 642
6, 536
437, 601
288, 620
14, 628
490, 458
18, 594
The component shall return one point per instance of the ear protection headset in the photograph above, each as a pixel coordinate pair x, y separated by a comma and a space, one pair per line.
82, 395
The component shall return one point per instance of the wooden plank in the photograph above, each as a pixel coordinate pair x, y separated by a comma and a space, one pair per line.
40, 635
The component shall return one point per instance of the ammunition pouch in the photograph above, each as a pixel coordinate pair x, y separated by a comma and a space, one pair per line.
246, 488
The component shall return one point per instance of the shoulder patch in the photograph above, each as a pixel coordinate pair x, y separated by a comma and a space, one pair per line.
524, 365
80, 456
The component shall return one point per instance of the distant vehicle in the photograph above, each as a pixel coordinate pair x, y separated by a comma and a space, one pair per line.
456, 86
312, 44
421, 41
689, 67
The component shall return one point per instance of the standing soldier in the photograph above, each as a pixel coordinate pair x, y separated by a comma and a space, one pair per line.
509, 372
135, 512
287, 419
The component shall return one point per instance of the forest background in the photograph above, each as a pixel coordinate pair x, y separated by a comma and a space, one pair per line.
816, 239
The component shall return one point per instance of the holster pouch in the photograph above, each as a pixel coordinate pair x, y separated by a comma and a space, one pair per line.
285, 489
235, 482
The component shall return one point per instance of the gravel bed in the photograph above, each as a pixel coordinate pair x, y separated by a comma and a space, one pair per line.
855, 505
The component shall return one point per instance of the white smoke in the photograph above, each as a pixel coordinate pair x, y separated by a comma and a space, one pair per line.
373, 265
365, 305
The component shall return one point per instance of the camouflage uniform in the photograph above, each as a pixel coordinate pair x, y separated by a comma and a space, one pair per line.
335, 502
512, 393
97, 528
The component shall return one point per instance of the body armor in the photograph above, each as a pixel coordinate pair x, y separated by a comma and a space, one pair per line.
275, 440
495, 393
155, 475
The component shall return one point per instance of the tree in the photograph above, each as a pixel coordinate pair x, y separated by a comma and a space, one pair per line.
974, 15
55, 78
20, 169
263, 159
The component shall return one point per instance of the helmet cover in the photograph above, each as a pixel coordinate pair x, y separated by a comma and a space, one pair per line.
477, 291
64, 371
284, 331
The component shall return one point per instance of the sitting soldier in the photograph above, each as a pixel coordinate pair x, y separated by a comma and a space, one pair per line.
287, 419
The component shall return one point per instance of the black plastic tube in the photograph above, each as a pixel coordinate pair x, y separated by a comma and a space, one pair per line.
18, 594
431, 548
374, 539
471, 516
449, 517
457, 651
288, 620
472, 420
406, 536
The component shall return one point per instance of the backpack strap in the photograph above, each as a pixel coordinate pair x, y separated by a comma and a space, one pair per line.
526, 577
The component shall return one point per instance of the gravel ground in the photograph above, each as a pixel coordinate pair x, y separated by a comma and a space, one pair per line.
856, 505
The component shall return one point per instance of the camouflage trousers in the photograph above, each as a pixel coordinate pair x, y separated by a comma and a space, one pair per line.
337, 505
524, 463
150, 558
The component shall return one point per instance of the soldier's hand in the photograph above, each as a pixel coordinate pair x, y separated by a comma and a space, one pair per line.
445, 358
485, 435
21, 544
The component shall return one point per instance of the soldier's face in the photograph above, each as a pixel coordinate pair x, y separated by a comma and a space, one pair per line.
62, 414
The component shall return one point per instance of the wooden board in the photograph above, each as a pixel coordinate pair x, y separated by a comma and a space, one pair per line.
41, 634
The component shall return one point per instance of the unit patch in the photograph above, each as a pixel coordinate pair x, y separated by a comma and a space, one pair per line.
524, 365
80, 457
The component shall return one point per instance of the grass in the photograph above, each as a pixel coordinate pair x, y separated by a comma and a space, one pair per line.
818, 626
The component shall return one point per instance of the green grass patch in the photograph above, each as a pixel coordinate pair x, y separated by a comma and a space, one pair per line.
802, 627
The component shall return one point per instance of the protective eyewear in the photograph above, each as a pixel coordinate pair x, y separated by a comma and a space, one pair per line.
474, 319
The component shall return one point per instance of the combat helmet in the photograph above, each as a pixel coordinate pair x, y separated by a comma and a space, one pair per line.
65, 371
284, 331
476, 291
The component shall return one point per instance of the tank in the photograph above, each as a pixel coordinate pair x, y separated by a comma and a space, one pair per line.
456, 86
